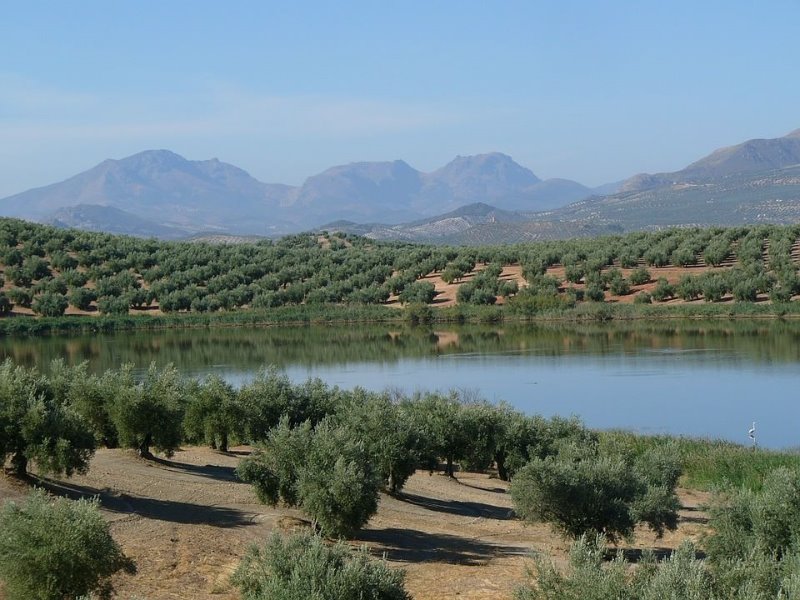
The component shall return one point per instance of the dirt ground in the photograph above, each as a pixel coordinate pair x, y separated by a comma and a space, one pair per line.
187, 521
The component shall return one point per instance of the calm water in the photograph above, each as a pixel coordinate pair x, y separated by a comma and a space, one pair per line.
697, 378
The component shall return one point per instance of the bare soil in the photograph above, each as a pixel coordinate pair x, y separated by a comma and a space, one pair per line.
187, 522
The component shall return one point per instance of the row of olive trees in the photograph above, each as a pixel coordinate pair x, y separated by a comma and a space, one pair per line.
50, 269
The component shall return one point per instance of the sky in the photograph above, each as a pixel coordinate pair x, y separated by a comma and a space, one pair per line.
586, 90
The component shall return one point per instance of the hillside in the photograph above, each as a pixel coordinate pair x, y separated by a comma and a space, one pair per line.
161, 194
49, 272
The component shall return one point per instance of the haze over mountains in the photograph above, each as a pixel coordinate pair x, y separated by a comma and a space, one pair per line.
160, 193
473, 199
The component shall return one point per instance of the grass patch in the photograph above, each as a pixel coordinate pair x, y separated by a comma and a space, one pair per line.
711, 464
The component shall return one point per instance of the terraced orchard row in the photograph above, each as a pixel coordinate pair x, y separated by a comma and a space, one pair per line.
50, 272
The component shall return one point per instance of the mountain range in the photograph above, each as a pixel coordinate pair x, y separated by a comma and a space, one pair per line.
160, 193
486, 198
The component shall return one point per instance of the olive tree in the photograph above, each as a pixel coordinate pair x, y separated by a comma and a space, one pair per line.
213, 413
303, 566
581, 491
56, 549
150, 413
324, 471
35, 426
390, 436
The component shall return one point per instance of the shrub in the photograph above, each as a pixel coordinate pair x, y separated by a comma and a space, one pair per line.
82, 298
214, 413
272, 467
20, 297
303, 566
5, 304
766, 522
574, 273
422, 292
620, 286
582, 491
643, 298
714, 287
388, 433
50, 304
689, 288
682, 576
595, 293
663, 290
639, 276
55, 550
113, 305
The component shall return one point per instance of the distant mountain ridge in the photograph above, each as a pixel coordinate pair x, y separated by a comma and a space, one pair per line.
747, 157
486, 198
160, 193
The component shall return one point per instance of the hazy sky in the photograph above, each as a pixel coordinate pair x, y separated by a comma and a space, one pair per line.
593, 91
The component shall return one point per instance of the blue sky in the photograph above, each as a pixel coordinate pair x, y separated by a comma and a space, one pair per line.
592, 91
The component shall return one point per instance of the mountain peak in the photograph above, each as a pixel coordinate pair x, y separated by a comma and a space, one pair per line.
493, 167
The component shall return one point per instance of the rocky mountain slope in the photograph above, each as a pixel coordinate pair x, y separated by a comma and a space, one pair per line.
160, 193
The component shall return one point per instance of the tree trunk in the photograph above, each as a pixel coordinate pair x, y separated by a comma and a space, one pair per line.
449, 469
144, 447
20, 464
223, 444
500, 461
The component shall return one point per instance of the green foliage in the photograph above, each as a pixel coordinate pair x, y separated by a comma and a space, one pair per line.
50, 305
595, 293
588, 577
213, 413
766, 522
389, 435
441, 421
20, 297
50, 550
580, 490
529, 304
5, 304
273, 466
640, 276
150, 414
82, 298
663, 290
114, 305
303, 566
36, 426
337, 484
689, 288
419, 292
326, 472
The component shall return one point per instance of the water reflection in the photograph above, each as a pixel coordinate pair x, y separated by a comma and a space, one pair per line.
694, 378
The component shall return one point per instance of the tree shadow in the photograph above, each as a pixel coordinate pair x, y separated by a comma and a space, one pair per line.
412, 546
701, 519
150, 508
455, 507
219, 472
495, 490
634, 555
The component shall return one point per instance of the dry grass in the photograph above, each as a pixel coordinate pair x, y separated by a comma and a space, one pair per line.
187, 522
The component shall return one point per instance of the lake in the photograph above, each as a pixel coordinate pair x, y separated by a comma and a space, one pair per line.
709, 379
